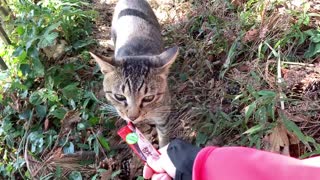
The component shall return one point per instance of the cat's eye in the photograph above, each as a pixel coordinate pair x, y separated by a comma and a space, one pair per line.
120, 97
148, 98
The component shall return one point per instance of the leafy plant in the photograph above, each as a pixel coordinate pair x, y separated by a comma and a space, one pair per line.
32, 90
314, 46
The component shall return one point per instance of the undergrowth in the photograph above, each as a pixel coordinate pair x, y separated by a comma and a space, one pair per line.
246, 75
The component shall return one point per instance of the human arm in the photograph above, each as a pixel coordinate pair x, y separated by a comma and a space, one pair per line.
229, 163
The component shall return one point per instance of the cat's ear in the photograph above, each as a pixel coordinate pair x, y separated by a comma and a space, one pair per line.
105, 63
164, 61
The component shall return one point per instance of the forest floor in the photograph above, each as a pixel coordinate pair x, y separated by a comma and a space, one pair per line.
247, 74
242, 76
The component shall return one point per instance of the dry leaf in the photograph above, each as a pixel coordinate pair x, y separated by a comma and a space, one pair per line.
244, 68
107, 174
296, 117
280, 139
69, 119
263, 32
237, 2
182, 87
46, 124
251, 35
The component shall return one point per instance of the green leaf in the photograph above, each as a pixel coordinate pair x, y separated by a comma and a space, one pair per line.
315, 38
58, 172
36, 98
51, 95
82, 43
271, 110
310, 32
261, 115
20, 29
81, 126
201, 138
291, 126
6, 126
52, 27
9, 141
248, 110
75, 175
254, 129
140, 178
302, 38
47, 40
103, 141
3, 75
94, 121
92, 96
266, 93
22, 57
225, 116
36, 141
115, 173
41, 111
96, 147
183, 76
310, 139
95, 177
312, 50
252, 91
30, 43
83, 146
18, 51
25, 69
70, 91
25, 115
68, 149
59, 113
38, 67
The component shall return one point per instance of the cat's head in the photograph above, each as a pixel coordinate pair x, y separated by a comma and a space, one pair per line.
137, 85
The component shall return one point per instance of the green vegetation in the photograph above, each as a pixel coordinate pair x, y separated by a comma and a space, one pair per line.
40, 88
247, 74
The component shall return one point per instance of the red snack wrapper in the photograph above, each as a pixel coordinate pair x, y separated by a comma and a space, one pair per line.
138, 143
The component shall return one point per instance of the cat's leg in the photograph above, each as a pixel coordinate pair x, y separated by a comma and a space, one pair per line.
162, 128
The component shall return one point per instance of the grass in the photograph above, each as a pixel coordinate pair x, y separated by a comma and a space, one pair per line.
226, 79
247, 74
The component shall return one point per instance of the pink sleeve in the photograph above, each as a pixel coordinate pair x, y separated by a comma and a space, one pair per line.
230, 163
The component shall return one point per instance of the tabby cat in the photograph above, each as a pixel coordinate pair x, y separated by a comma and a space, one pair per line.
135, 79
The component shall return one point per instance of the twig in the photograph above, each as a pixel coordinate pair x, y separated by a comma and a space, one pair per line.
280, 80
296, 63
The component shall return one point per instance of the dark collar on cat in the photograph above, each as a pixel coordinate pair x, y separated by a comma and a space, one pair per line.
136, 13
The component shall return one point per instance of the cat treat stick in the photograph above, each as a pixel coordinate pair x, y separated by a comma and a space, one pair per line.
138, 143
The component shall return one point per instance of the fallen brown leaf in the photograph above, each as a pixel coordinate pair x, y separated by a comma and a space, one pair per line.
46, 124
69, 120
251, 35
280, 140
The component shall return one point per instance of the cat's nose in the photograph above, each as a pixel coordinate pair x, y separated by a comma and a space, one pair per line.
132, 118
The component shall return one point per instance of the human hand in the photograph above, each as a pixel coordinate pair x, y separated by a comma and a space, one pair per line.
160, 169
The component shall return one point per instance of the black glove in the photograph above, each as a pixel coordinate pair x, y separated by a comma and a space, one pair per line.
182, 155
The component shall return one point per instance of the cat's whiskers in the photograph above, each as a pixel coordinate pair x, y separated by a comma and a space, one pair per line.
111, 110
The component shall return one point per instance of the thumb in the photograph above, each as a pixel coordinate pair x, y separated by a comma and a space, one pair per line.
155, 165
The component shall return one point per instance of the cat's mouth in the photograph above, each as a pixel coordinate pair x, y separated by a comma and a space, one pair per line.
136, 121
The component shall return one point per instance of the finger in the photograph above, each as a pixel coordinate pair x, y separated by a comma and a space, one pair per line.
147, 172
155, 165
167, 165
161, 176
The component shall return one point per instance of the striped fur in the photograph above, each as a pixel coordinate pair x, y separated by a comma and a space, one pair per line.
135, 80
